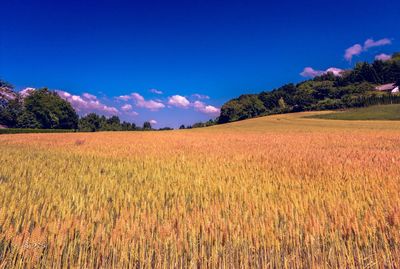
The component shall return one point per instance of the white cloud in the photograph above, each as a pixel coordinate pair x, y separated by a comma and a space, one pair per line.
204, 108
178, 101
132, 113
370, 43
89, 96
200, 96
311, 72
123, 97
153, 122
335, 71
156, 91
87, 103
383, 57
149, 104
126, 107
353, 51
27, 91
357, 49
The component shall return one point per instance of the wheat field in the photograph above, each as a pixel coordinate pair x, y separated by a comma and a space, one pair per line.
274, 192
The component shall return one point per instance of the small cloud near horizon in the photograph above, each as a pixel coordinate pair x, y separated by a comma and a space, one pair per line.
311, 72
383, 57
27, 91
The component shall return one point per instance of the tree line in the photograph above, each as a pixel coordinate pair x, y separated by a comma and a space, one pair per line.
352, 88
93, 122
45, 109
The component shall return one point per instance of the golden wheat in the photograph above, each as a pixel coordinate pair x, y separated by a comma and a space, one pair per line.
281, 191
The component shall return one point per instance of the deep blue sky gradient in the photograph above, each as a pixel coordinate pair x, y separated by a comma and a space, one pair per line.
218, 48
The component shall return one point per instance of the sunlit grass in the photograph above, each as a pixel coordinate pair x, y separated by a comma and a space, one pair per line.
378, 112
281, 191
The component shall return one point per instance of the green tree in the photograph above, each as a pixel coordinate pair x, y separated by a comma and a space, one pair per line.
114, 120
90, 123
147, 125
10, 111
50, 110
231, 111
27, 120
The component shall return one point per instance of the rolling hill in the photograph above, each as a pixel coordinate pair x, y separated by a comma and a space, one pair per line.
350, 88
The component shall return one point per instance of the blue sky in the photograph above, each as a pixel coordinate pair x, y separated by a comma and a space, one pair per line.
178, 61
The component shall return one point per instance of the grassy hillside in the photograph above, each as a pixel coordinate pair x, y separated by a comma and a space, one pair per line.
280, 191
349, 89
380, 112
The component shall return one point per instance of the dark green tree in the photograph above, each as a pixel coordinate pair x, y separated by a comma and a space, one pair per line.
90, 123
10, 111
27, 120
50, 110
114, 120
147, 125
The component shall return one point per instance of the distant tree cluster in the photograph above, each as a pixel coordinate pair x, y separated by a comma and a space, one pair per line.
44, 109
353, 88
93, 123
210, 122
41, 109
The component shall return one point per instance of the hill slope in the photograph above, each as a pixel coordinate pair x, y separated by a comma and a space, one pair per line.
380, 112
350, 88
300, 122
